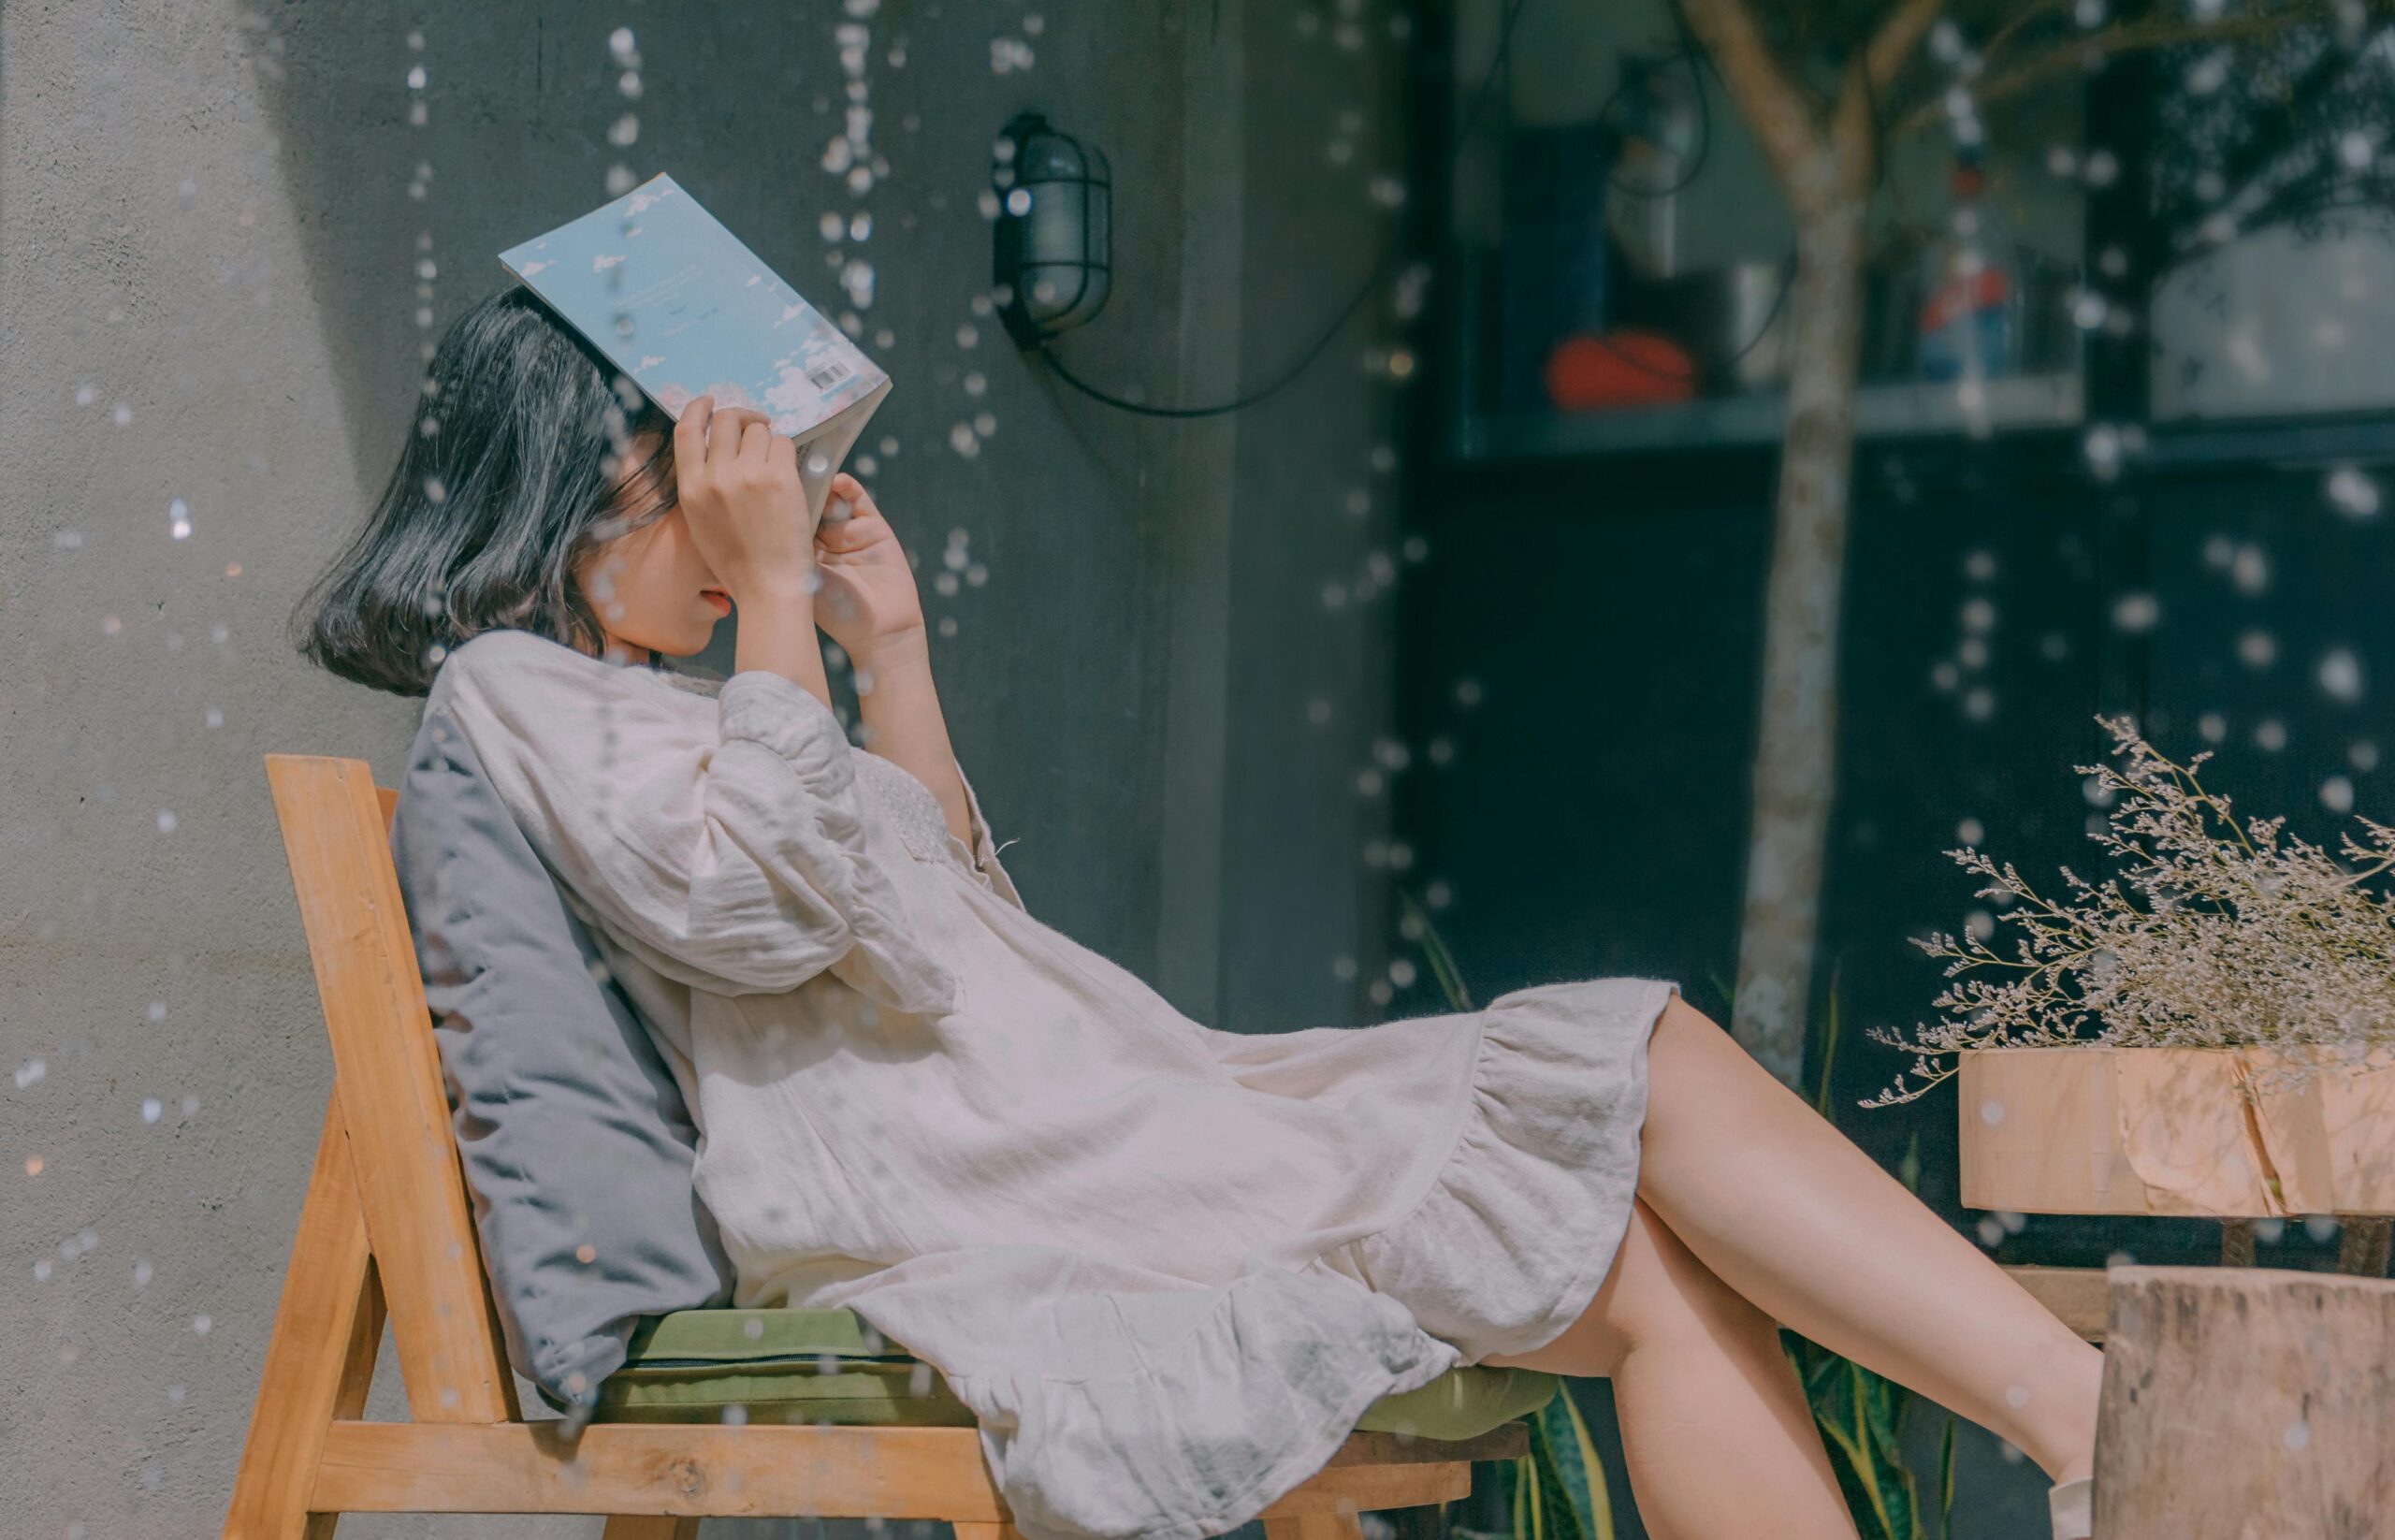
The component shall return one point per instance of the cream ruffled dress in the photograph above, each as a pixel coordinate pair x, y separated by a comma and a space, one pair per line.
1167, 1266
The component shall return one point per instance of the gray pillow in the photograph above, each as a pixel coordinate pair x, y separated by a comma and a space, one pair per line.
577, 1145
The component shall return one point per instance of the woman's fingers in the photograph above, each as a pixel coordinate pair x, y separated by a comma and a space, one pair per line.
725, 433
863, 526
690, 436
756, 438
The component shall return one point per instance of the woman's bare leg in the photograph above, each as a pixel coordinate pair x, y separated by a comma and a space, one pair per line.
1714, 1425
1784, 1209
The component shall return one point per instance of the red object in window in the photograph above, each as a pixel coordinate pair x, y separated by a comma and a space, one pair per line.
1624, 368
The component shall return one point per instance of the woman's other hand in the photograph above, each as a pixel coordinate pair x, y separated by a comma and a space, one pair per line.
738, 483
868, 598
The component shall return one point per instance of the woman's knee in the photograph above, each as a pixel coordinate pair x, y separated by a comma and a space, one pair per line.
1655, 1292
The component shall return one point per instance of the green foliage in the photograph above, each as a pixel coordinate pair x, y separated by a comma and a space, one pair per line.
1558, 1490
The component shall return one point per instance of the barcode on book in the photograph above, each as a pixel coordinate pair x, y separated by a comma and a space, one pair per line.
825, 376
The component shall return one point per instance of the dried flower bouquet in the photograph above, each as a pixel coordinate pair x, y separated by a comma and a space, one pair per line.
2212, 934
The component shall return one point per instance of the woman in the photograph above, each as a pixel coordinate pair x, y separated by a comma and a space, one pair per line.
1167, 1265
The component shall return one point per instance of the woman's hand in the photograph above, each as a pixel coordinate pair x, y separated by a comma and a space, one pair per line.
738, 483
867, 598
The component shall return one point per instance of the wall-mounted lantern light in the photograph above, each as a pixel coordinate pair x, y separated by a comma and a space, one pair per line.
1053, 252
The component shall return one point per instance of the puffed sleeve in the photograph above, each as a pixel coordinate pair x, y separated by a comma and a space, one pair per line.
728, 855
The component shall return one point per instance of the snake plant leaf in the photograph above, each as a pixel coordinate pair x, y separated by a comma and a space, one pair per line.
1557, 1491
1946, 1480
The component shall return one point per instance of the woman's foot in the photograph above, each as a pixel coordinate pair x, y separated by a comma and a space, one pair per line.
2073, 1505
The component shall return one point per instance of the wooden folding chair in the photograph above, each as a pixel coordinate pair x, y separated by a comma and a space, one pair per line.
386, 1230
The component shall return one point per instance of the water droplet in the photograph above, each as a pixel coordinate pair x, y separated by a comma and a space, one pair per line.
2136, 612
2354, 494
2341, 674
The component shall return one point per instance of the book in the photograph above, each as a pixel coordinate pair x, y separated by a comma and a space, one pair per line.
678, 303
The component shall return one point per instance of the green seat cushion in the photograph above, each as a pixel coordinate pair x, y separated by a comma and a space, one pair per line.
828, 1367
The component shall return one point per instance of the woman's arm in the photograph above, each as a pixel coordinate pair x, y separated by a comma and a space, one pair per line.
867, 602
736, 481
903, 722
730, 855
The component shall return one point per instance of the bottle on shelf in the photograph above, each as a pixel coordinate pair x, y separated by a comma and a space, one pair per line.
1969, 286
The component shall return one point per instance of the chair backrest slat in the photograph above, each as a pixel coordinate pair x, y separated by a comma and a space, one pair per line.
336, 827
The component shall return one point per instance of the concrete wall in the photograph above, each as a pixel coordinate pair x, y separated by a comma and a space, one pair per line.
207, 244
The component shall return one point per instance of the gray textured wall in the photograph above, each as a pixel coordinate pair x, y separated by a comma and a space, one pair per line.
1130, 686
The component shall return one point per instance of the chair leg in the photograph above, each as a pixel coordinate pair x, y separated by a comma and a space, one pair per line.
651, 1526
320, 1359
1314, 1526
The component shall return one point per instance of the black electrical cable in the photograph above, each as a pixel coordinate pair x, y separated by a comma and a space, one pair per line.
1339, 323
1692, 53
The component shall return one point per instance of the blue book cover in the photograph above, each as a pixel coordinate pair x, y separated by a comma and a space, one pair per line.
682, 306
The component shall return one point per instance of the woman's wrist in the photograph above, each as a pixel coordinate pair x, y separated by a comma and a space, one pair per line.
777, 634
783, 589
894, 652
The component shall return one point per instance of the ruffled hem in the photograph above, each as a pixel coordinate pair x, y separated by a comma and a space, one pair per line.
1119, 1414
1520, 1226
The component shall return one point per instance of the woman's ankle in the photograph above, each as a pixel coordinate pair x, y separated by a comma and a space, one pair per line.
2062, 1439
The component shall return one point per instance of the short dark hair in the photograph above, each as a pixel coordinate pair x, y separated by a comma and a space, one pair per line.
507, 477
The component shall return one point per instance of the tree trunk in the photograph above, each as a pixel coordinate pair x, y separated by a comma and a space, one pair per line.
1796, 748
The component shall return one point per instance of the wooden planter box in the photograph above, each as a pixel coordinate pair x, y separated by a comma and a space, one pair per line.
2171, 1131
